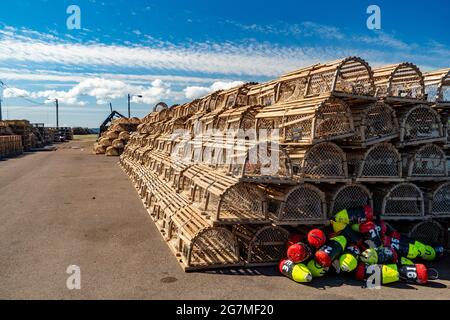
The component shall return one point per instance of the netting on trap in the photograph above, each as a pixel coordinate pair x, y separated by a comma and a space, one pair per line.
308, 121
403, 80
323, 161
403, 200
200, 244
440, 200
243, 202
374, 124
261, 245
262, 163
347, 196
437, 86
380, 162
302, 204
425, 163
428, 232
420, 124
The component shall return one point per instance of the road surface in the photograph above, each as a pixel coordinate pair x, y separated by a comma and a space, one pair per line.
69, 207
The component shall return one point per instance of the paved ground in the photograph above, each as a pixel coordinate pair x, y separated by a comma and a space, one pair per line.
69, 207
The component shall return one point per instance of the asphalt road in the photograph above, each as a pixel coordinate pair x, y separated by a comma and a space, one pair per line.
70, 207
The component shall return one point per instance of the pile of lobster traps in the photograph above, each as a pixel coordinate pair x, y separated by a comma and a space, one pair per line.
227, 177
10, 146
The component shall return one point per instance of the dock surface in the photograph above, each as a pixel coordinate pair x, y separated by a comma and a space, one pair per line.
70, 207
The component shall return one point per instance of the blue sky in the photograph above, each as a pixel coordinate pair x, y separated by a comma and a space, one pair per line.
174, 51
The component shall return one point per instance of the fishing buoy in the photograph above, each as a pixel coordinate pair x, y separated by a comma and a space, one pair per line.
428, 253
416, 273
382, 255
337, 226
316, 269
330, 251
353, 237
316, 238
403, 248
299, 252
297, 272
354, 215
371, 232
348, 261
294, 238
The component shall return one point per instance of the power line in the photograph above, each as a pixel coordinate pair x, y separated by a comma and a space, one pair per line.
35, 103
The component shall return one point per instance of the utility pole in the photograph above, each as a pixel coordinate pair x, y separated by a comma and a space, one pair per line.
110, 106
129, 102
1, 110
57, 114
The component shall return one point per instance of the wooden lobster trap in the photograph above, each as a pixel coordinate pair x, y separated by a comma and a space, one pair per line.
397, 83
437, 87
429, 232
425, 163
348, 78
303, 204
261, 245
132, 145
373, 123
322, 162
263, 94
265, 162
226, 100
146, 145
340, 197
420, 124
238, 120
445, 117
10, 146
306, 122
402, 201
439, 200
226, 200
198, 245
380, 163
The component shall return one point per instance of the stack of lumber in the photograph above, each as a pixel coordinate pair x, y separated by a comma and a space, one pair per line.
338, 135
112, 142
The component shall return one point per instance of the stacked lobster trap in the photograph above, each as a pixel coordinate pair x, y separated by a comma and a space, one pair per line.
326, 137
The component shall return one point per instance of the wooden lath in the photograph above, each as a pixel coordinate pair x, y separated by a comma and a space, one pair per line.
308, 121
347, 77
437, 86
399, 81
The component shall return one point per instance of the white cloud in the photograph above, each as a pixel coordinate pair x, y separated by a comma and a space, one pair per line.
305, 29
249, 58
103, 90
384, 39
67, 77
253, 59
193, 92
15, 92
153, 94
